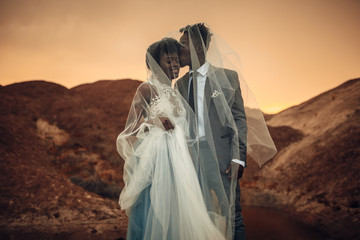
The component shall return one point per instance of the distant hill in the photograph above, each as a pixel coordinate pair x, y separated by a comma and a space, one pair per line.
52, 137
316, 171
59, 168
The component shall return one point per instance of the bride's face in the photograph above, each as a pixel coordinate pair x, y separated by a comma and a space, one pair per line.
169, 63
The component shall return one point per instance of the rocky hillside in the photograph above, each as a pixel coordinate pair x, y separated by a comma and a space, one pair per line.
315, 174
60, 173
52, 137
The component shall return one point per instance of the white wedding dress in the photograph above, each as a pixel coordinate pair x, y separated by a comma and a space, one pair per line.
162, 195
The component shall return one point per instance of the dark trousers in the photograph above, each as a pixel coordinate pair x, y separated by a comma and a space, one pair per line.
220, 183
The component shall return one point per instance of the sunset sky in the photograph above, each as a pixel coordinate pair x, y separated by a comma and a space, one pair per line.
291, 50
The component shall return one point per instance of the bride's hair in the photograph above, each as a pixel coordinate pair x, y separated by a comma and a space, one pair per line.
165, 45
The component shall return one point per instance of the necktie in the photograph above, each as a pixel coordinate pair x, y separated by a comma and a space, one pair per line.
191, 92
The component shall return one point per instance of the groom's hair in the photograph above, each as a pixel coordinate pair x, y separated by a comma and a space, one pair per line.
198, 32
165, 45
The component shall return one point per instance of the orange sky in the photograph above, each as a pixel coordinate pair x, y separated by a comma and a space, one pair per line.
290, 50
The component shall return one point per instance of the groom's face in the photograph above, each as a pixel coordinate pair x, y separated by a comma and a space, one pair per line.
185, 58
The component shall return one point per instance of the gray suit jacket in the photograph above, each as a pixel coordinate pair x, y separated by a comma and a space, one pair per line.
226, 147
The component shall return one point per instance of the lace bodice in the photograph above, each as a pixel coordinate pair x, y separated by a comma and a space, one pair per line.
166, 103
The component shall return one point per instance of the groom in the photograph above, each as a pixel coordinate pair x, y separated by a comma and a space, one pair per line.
194, 86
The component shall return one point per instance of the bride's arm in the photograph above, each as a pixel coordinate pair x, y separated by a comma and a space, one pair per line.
142, 103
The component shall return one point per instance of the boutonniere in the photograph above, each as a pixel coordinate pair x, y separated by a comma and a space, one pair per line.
215, 93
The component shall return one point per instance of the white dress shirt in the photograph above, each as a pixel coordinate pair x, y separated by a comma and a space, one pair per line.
200, 82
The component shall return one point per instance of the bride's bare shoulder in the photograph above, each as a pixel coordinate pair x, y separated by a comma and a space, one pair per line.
145, 90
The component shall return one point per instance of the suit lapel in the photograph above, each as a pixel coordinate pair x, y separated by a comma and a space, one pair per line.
208, 91
183, 86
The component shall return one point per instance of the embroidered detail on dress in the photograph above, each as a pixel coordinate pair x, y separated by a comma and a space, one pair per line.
166, 103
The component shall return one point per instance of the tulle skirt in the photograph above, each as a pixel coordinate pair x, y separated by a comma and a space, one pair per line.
162, 195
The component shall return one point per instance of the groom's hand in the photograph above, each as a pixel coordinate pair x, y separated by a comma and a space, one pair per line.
166, 123
240, 171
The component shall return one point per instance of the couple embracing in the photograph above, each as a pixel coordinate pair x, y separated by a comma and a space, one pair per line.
185, 147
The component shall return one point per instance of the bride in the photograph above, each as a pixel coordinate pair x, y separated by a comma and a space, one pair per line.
162, 195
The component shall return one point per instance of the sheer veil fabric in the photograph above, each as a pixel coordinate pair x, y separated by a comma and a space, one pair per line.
229, 120
162, 195
224, 62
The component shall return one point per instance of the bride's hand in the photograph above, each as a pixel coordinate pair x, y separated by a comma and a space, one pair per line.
166, 123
